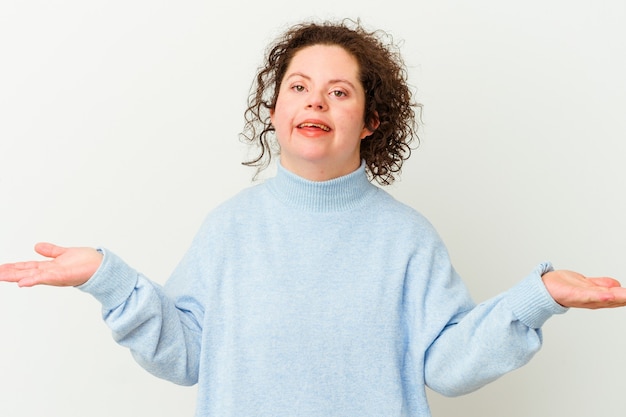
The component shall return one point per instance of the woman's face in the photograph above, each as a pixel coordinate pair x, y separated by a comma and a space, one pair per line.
319, 113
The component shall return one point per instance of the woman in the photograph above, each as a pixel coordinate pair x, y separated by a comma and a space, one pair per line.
316, 293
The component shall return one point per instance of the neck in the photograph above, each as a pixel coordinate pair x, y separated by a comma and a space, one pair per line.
314, 171
337, 194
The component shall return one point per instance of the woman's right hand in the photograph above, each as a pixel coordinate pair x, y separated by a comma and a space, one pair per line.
67, 267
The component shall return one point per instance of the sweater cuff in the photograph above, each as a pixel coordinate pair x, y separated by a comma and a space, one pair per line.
531, 302
112, 283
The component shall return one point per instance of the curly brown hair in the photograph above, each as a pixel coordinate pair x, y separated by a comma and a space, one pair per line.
388, 98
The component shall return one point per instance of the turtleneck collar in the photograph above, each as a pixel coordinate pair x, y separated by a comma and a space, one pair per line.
338, 194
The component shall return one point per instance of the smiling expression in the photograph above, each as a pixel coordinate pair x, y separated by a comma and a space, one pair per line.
319, 113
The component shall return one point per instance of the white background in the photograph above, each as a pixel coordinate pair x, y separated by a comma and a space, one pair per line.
119, 127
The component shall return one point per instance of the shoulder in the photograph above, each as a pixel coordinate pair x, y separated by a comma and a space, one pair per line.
237, 208
242, 201
387, 209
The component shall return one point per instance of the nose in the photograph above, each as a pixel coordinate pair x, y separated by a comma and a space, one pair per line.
316, 100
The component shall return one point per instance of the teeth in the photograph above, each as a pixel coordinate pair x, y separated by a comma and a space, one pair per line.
320, 126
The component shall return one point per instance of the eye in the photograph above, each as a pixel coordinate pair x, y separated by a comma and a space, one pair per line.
338, 93
298, 88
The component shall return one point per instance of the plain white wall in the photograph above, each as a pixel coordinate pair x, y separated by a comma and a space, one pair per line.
119, 124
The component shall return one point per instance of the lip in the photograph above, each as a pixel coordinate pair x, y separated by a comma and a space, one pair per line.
314, 124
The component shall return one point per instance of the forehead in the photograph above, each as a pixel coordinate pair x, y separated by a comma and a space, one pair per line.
330, 60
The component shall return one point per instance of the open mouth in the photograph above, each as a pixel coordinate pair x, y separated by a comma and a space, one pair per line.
314, 125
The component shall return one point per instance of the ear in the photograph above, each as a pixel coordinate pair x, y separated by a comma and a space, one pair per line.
375, 123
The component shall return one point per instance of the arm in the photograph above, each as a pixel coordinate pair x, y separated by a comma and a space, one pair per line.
163, 337
161, 330
486, 341
504, 333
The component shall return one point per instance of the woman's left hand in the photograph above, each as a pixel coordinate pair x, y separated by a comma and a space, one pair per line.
571, 289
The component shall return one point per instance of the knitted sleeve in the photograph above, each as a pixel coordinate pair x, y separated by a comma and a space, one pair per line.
162, 332
480, 343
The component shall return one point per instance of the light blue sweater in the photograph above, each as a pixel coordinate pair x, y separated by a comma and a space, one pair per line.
329, 299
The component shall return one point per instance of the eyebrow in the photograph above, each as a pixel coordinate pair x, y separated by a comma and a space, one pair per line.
333, 81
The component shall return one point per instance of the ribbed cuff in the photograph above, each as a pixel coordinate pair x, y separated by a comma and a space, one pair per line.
112, 283
531, 302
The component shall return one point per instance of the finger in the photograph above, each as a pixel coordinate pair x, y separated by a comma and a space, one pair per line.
605, 282
18, 271
619, 294
601, 297
30, 281
28, 274
49, 250
7, 273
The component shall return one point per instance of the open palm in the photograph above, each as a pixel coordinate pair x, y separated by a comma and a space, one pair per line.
67, 267
572, 289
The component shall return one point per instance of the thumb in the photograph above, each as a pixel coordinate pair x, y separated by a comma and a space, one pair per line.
49, 250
